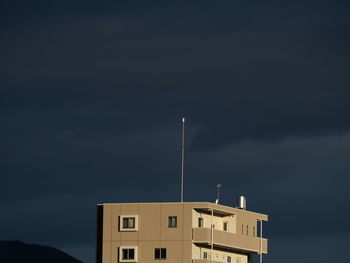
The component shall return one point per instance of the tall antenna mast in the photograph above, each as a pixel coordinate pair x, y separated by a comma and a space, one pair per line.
218, 186
182, 159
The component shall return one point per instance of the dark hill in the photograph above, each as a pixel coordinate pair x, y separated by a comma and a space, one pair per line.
19, 252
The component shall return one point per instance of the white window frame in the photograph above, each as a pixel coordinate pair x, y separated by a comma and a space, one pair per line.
121, 254
121, 226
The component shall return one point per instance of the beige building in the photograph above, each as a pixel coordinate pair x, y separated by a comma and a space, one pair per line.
183, 232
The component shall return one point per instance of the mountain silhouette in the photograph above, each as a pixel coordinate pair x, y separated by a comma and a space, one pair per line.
19, 252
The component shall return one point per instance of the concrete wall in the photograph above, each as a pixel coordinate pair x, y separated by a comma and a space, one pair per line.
153, 231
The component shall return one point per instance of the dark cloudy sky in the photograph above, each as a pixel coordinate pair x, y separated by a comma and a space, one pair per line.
92, 94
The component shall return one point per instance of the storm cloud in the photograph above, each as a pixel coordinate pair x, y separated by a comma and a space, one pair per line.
92, 94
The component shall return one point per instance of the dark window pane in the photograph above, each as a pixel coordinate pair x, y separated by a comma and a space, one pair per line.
200, 222
128, 222
172, 221
125, 223
131, 253
157, 253
128, 253
163, 253
125, 254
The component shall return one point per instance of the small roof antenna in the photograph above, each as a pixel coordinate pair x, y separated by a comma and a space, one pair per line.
182, 158
218, 186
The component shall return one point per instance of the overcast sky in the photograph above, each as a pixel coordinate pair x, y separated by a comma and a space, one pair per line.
91, 99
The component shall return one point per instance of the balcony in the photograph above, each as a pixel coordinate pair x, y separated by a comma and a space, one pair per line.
229, 240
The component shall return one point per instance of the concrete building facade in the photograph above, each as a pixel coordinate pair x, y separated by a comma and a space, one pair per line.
183, 232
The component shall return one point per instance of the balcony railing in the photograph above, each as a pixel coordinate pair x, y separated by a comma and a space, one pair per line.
230, 240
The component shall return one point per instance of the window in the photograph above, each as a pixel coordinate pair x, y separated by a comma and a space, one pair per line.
247, 229
128, 223
200, 222
228, 259
225, 226
128, 254
160, 253
172, 221
254, 231
205, 255
242, 230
